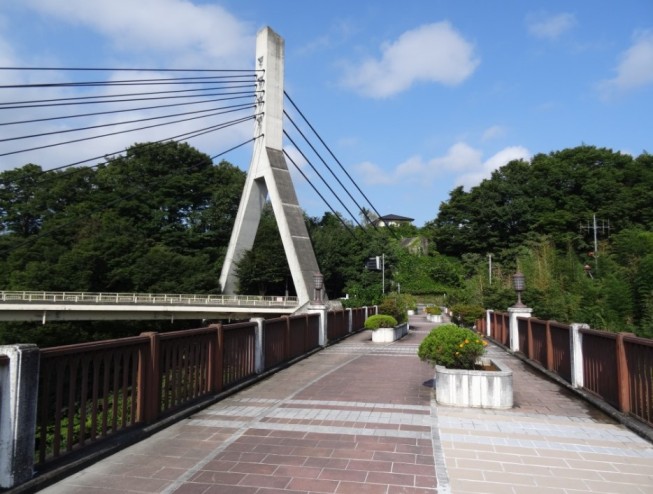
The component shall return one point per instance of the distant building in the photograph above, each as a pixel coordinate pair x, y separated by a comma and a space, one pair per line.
393, 220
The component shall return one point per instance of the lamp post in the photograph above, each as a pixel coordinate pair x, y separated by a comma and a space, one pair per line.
318, 283
518, 283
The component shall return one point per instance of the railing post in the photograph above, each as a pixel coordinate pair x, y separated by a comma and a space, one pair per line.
19, 396
217, 359
488, 322
350, 320
259, 349
513, 325
576, 344
529, 340
549, 347
623, 388
152, 391
320, 309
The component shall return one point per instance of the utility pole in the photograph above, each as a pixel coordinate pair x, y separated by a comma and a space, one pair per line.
595, 228
489, 267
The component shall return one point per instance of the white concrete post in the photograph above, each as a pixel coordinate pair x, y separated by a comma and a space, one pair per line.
322, 311
18, 401
350, 320
576, 344
516, 312
488, 322
259, 351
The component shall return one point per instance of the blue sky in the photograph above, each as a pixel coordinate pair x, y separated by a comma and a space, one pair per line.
414, 97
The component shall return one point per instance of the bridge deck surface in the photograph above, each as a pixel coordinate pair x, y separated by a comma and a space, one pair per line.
360, 418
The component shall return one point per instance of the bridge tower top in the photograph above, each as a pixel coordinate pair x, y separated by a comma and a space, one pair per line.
268, 177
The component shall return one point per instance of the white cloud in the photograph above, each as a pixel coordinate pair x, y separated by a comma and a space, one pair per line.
430, 53
494, 132
485, 169
635, 68
187, 33
549, 26
462, 162
373, 174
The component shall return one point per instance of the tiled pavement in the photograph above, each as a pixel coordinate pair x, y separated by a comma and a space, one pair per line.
359, 417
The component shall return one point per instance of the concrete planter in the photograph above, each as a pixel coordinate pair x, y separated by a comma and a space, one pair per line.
434, 317
474, 388
388, 335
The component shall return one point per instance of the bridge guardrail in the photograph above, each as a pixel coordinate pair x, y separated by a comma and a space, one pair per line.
147, 298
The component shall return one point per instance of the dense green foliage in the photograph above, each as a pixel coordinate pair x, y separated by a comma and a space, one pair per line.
159, 220
552, 195
380, 321
451, 346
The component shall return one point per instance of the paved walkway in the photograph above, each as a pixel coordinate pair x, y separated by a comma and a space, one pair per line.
360, 418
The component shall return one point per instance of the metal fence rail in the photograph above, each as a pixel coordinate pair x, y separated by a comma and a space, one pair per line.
146, 298
616, 367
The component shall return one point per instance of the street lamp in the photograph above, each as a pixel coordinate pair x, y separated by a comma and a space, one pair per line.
519, 284
318, 283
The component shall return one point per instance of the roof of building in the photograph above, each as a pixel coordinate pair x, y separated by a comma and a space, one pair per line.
395, 217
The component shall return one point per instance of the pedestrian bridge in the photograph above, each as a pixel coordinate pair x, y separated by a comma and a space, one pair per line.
47, 306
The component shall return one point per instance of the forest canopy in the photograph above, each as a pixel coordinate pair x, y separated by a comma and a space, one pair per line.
159, 219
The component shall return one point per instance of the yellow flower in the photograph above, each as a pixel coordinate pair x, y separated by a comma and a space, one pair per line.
461, 345
466, 341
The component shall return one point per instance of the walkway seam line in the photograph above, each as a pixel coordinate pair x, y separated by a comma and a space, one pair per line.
248, 425
441, 473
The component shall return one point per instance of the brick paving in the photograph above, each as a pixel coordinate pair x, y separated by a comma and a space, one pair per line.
359, 417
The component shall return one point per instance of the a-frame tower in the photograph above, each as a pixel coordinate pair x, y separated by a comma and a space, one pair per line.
268, 176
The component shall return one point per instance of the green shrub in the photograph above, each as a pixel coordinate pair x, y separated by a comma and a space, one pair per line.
397, 306
380, 321
433, 310
452, 346
466, 315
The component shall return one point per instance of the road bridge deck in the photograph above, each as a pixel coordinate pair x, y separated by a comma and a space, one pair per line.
360, 417
47, 306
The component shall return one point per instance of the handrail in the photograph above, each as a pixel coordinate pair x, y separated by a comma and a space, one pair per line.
146, 298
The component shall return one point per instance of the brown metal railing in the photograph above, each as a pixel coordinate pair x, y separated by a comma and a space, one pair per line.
304, 334
600, 364
639, 357
88, 392
238, 352
337, 326
91, 391
559, 359
617, 367
276, 336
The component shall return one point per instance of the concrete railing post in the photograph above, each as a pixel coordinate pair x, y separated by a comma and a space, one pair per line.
488, 322
576, 345
259, 351
18, 401
322, 311
350, 320
513, 325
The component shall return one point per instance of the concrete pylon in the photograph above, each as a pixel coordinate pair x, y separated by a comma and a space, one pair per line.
268, 176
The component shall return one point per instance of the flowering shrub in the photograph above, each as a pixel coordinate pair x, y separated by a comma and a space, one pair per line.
380, 321
452, 346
